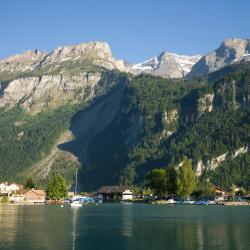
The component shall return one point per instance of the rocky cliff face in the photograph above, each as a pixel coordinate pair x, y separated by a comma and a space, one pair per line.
49, 80
215, 162
230, 51
23, 62
38, 81
170, 120
35, 94
205, 104
98, 53
168, 65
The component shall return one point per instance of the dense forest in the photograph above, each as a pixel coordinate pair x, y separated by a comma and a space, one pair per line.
25, 139
192, 133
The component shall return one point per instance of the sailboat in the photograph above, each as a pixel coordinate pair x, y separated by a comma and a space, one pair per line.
76, 203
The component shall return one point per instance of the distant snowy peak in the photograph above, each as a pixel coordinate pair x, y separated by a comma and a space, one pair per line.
167, 65
150, 64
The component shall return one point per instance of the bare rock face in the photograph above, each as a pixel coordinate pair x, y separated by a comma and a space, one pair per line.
167, 65
215, 162
57, 78
205, 103
23, 62
230, 51
169, 120
49, 91
98, 53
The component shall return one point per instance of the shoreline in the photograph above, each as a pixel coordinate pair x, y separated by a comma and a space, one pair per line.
227, 203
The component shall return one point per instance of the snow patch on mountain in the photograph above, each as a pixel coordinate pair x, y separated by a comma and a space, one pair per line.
167, 64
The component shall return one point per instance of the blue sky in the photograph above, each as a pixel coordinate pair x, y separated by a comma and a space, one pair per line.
135, 29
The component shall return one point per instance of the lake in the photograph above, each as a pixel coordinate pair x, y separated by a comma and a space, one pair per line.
124, 226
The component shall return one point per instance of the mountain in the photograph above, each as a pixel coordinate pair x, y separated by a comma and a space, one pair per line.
39, 94
38, 81
160, 121
97, 53
78, 107
168, 65
231, 51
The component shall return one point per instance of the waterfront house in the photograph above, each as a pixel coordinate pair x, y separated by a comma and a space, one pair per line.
29, 196
111, 193
219, 192
16, 198
35, 196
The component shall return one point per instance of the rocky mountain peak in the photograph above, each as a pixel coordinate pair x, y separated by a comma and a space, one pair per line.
57, 78
22, 62
233, 42
98, 53
230, 51
90, 50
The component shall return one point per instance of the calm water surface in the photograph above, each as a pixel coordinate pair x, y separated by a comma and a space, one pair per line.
124, 226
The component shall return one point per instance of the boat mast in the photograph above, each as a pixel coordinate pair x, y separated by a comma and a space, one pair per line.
76, 182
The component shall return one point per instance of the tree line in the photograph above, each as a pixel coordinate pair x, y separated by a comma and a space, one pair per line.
173, 181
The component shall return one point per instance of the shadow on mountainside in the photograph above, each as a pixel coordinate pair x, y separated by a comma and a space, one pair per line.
85, 126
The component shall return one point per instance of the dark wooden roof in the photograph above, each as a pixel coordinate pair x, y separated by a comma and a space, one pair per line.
112, 189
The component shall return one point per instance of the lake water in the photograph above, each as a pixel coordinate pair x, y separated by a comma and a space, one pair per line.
124, 226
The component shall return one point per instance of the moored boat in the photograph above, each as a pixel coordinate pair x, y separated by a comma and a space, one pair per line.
171, 201
76, 204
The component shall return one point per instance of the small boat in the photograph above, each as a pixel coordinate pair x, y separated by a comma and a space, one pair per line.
171, 201
211, 203
76, 204
188, 202
201, 203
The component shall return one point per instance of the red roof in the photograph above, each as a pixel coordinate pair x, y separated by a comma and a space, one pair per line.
36, 191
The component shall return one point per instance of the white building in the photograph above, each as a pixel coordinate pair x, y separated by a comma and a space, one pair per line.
127, 195
6, 188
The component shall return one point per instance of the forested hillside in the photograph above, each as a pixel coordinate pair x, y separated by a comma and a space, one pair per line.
134, 124
161, 121
26, 139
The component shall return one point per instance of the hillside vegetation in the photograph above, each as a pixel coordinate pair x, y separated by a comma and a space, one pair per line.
136, 124
161, 121
26, 139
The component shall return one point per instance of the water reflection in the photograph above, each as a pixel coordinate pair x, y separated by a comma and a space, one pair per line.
127, 220
34, 227
124, 227
8, 224
200, 236
74, 226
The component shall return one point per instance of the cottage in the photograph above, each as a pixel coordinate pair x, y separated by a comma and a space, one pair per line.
111, 193
16, 198
219, 192
35, 196
30, 196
